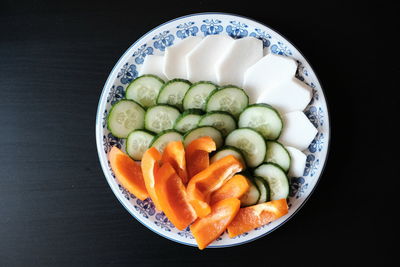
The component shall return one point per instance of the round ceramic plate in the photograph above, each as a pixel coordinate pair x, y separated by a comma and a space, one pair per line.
169, 34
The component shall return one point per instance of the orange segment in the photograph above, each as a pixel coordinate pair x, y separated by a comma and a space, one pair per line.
150, 165
235, 187
172, 197
203, 184
128, 173
206, 230
174, 153
258, 215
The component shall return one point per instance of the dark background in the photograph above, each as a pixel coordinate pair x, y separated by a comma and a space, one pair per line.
56, 207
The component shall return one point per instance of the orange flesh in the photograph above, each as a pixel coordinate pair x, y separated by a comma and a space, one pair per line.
174, 153
128, 173
197, 158
172, 197
150, 165
202, 185
256, 216
206, 230
235, 187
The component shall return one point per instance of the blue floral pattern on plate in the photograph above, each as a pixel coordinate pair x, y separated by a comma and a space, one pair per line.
163, 40
110, 140
145, 207
155, 43
163, 222
312, 164
127, 73
141, 53
281, 49
116, 94
186, 29
237, 29
263, 36
315, 115
211, 27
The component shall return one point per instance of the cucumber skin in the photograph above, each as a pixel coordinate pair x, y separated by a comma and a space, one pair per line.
266, 187
169, 82
187, 133
267, 106
108, 116
248, 128
224, 87
137, 130
290, 158
218, 112
162, 133
276, 165
146, 75
164, 105
137, 78
197, 83
188, 112
246, 173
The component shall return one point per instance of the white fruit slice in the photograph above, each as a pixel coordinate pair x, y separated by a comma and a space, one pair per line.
242, 54
175, 64
290, 96
201, 61
153, 65
270, 71
297, 162
297, 131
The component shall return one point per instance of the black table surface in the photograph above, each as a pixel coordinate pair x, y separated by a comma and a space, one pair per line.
56, 207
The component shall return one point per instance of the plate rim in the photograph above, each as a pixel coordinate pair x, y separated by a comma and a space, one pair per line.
98, 142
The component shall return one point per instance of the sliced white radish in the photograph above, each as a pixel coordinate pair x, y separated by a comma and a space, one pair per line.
297, 162
153, 65
270, 71
175, 64
201, 61
289, 96
298, 131
242, 54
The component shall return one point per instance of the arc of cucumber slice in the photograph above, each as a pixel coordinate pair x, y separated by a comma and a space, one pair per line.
276, 179
264, 119
144, 90
124, 117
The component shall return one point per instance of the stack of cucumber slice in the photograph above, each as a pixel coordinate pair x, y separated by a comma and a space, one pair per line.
155, 113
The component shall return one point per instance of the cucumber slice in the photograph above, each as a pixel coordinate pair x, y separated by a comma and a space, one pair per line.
160, 118
124, 117
277, 153
221, 120
137, 143
197, 95
276, 179
188, 120
263, 188
229, 98
172, 92
144, 90
161, 140
204, 131
264, 119
252, 196
226, 151
250, 142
